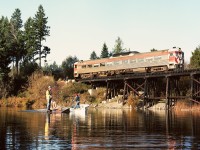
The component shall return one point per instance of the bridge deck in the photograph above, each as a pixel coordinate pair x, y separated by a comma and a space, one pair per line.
187, 72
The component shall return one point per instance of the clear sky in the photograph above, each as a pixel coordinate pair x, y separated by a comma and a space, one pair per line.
78, 27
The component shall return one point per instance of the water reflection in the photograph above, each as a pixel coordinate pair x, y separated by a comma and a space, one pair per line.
99, 129
46, 129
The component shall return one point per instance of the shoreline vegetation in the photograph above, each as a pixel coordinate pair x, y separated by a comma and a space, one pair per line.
33, 97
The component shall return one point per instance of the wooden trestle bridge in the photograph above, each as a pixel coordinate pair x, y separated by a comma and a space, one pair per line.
168, 86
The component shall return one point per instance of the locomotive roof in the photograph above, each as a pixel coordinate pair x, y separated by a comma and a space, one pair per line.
125, 53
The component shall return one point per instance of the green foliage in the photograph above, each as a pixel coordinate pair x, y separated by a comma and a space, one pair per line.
65, 71
153, 50
16, 21
68, 67
79, 87
46, 50
93, 55
20, 49
195, 58
17, 39
30, 40
5, 50
29, 103
5, 56
17, 83
118, 48
70, 89
54, 70
41, 31
28, 68
104, 52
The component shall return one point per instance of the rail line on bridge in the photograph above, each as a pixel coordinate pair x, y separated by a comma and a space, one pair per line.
169, 86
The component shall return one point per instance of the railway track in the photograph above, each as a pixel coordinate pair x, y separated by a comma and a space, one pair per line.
187, 72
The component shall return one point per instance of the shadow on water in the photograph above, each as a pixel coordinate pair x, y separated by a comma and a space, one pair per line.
99, 129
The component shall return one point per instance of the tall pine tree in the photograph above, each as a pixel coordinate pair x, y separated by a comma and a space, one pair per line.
30, 40
17, 41
41, 30
93, 55
5, 55
104, 52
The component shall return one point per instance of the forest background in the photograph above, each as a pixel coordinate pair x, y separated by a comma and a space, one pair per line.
22, 51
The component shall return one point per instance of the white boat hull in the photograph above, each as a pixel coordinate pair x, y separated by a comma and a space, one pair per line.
83, 108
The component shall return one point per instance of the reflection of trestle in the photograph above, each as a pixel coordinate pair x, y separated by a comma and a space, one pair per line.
167, 88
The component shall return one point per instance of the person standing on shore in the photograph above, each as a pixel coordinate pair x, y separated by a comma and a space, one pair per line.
48, 98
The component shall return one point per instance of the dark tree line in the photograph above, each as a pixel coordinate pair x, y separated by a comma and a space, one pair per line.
21, 46
195, 59
64, 72
104, 53
118, 48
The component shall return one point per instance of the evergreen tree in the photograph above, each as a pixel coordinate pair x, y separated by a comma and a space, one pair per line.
195, 58
5, 51
93, 55
30, 40
17, 40
104, 52
68, 66
21, 48
45, 52
153, 50
5, 55
118, 46
41, 30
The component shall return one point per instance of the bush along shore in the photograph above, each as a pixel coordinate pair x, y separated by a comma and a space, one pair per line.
33, 97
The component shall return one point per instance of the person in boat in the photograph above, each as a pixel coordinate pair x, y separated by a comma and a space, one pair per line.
48, 98
77, 100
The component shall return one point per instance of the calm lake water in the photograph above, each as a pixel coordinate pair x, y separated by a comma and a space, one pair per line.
99, 129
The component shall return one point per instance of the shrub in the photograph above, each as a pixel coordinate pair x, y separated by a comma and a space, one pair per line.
38, 85
34, 95
29, 103
133, 101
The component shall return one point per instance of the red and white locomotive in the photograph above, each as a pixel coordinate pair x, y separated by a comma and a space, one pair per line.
131, 62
